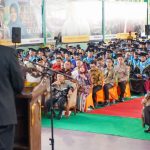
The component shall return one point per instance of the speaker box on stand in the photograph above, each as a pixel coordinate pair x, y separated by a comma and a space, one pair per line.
16, 35
147, 30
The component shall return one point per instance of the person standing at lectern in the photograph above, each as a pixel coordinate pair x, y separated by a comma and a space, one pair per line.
11, 83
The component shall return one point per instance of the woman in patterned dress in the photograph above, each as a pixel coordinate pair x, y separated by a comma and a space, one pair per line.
84, 84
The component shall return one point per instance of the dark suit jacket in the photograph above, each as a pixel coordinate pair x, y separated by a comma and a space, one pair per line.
11, 83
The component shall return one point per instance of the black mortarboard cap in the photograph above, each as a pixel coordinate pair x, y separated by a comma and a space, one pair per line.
39, 59
57, 51
70, 46
78, 46
91, 44
20, 50
136, 53
100, 54
142, 42
62, 50
76, 54
143, 54
119, 55
46, 49
148, 41
32, 49
40, 50
143, 37
90, 50
109, 51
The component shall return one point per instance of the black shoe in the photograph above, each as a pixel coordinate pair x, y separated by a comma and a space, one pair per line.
147, 131
107, 104
59, 115
121, 100
95, 104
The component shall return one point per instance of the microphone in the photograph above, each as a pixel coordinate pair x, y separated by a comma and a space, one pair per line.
52, 71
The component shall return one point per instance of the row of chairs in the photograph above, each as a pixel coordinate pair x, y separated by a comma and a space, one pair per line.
113, 95
72, 101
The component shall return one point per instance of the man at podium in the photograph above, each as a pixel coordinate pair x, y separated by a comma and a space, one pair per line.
11, 83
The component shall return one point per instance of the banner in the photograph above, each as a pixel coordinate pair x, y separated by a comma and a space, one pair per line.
122, 17
75, 39
21, 13
73, 17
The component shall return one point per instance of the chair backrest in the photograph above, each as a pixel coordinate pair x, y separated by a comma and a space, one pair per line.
30, 78
40, 88
72, 100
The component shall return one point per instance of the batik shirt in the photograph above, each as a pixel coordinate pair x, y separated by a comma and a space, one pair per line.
109, 76
121, 72
96, 76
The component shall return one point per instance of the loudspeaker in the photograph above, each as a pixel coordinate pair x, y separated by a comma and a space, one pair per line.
16, 35
147, 29
58, 38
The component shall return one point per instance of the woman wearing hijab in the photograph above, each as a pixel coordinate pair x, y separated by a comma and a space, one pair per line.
84, 87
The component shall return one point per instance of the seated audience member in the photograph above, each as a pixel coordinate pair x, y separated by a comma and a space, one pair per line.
67, 68
100, 64
75, 71
139, 78
96, 77
58, 64
127, 58
68, 57
108, 54
109, 79
61, 89
135, 60
89, 57
122, 74
146, 111
32, 55
84, 86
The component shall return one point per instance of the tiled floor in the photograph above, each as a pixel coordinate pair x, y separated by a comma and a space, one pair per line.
74, 140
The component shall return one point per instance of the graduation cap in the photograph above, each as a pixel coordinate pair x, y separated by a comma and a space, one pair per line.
90, 50
76, 54
136, 45
148, 41
32, 49
63, 50
100, 54
20, 50
74, 48
58, 58
142, 42
143, 37
109, 51
91, 44
101, 42
119, 55
39, 59
57, 52
78, 46
70, 46
46, 49
143, 54
41, 50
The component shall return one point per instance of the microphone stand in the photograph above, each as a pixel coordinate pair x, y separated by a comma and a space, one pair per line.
52, 108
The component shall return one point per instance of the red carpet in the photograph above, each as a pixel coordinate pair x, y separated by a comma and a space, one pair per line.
131, 108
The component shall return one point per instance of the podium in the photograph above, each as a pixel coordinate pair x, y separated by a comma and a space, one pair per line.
28, 128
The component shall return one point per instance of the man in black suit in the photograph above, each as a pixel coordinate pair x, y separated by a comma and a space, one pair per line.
11, 83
